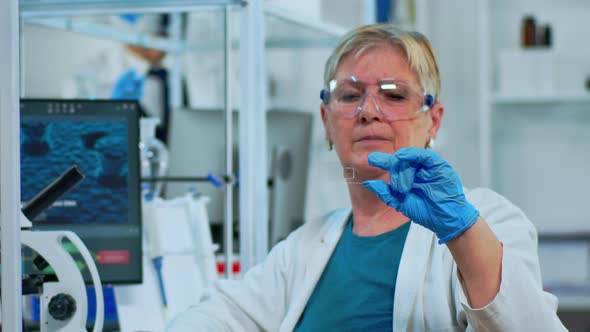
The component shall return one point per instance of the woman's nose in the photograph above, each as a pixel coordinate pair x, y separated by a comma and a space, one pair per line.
368, 108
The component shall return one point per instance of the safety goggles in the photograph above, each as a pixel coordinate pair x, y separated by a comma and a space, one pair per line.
394, 99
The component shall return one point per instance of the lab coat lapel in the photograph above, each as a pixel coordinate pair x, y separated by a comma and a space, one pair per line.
322, 252
411, 273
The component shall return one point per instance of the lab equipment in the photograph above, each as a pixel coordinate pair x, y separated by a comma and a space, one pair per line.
394, 99
129, 86
153, 155
180, 252
426, 189
102, 138
158, 269
197, 147
64, 304
180, 226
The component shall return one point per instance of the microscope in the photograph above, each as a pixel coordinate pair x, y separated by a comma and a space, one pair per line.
64, 303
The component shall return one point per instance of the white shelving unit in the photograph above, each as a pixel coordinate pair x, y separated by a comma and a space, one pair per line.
286, 29
562, 98
535, 144
10, 239
532, 143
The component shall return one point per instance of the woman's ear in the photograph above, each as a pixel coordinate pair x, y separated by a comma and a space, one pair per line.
436, 114
324, 114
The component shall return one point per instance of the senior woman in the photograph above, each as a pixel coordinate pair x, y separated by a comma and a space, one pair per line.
415, 252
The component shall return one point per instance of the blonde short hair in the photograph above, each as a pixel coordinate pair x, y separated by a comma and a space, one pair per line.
416, 46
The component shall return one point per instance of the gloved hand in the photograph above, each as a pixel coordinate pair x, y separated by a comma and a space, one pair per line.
128, 86
426, 189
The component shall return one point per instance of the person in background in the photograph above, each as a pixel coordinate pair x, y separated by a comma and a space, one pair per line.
148, 81
415, 251
126, 71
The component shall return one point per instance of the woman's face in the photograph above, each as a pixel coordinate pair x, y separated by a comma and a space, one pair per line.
354, 138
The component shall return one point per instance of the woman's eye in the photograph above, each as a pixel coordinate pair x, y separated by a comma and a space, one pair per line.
395, 96
348, 97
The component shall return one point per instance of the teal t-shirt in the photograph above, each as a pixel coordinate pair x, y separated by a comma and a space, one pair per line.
356, 289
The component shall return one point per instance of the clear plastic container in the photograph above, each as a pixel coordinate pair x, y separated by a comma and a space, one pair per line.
153, 155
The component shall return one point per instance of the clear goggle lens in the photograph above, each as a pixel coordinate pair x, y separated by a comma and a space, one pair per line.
394, 99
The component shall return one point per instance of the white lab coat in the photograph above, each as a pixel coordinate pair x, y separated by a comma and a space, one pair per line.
428, 293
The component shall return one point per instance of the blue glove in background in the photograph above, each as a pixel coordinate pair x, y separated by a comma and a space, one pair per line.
131, 19
129, 86
426, 189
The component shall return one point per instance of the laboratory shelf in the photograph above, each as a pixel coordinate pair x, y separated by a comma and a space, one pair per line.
572, 296
284, 29
44, 8
573, 302
569, 236
109, 32
288, 29
570, 303
557, 98
283, 24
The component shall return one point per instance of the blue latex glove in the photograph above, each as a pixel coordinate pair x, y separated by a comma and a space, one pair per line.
129, 86
426, 189
131, 19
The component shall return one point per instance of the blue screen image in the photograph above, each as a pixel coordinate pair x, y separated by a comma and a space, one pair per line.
99, 148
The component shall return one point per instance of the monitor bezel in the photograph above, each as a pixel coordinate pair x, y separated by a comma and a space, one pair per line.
134, 177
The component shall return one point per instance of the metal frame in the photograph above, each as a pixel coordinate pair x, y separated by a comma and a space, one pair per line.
171, 45
228, 227
252, 125
175, 70
10, 237
35, 8
175, 45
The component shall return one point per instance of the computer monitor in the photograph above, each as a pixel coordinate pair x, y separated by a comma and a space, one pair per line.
101, 137
197, 147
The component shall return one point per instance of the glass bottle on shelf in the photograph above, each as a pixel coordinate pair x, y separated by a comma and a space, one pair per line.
529, 31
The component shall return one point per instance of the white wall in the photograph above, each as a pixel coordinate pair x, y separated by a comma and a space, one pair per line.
454, 35
50, 57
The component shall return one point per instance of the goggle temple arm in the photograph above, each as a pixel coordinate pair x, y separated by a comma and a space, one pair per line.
428, 102
325, 96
